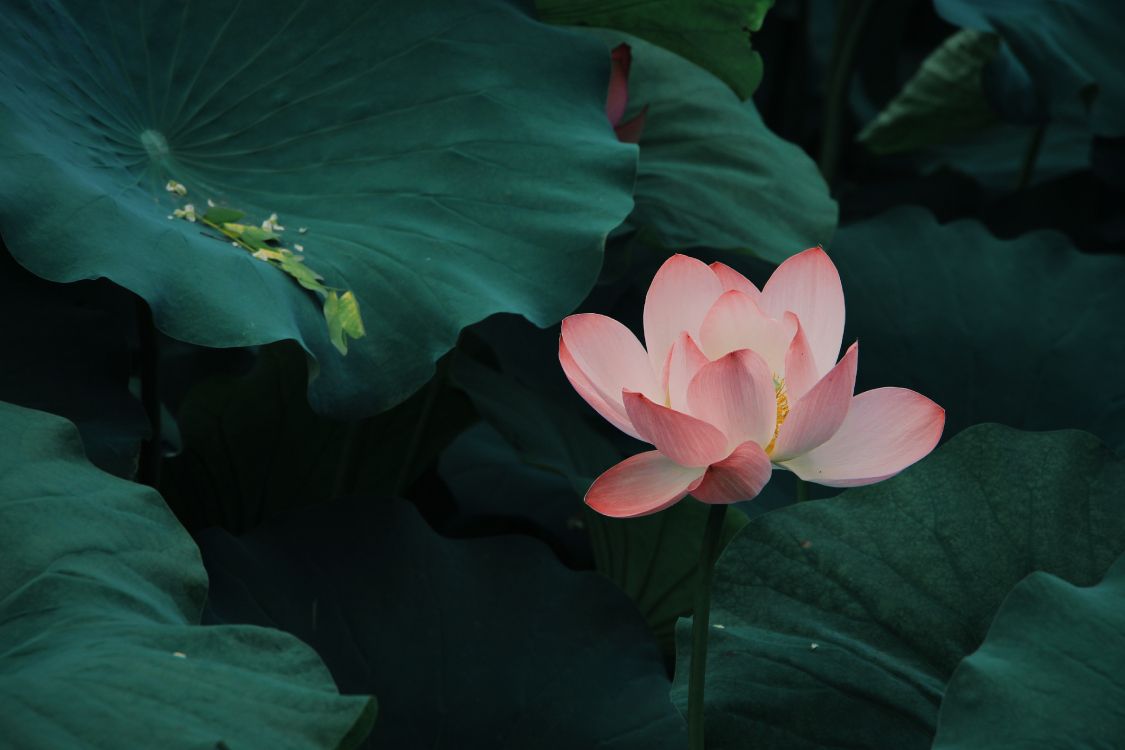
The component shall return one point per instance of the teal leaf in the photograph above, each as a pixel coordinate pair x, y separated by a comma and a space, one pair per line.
711, 173
481, 643
1056, 56
944, 98
1049, 674
714, 34
101, 594
446, 166
838, 623
1022, 331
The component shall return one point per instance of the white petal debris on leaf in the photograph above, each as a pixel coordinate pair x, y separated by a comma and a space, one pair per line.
265, 242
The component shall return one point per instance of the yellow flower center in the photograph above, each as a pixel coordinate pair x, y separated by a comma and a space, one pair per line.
782, 409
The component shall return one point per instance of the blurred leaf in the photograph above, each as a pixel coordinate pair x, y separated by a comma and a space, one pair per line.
942, 101
221, 215
68, 351
447, 165
1023, 332
714, 34
499, 646
253, 447
100, 600
1056, 55
1047, 675
837, 623
711, 173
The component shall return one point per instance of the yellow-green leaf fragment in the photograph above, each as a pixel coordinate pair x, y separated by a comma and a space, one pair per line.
221, 215
305, 276
342, 315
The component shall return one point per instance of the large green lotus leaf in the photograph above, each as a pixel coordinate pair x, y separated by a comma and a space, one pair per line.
1057, 54
252, 446
101, 593
714, 34
446, 165
67, 351
711, 173
1050, 672
837, 623
653, 559
479, 643
942, 100
1022, 331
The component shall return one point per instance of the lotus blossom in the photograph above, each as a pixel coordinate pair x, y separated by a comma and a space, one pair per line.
736, 381
621, 59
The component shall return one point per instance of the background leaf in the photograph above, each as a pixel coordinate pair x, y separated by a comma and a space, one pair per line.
1049, 672
500, 646
711, 173
714, 34
446, 165
100, 599
839, 622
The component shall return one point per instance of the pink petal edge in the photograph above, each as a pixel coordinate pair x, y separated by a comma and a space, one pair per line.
641, 484
741, 476
680, 295
684, 439
735, 393
808, 285
816, 416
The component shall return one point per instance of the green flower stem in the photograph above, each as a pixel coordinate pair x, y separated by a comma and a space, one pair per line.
802, 490
148, 463
708, 553
851, 20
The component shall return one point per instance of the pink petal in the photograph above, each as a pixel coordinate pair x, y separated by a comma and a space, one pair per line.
808, 285
736, 322
618, 97
886, 430
601, 357
684, 361
640, 485
741, 476
816, 416
681, 293
736, 394
800, 368
630, 131
732, 279
684, 439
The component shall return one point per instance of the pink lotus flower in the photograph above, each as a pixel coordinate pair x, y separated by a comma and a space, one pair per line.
621, 59
736, 381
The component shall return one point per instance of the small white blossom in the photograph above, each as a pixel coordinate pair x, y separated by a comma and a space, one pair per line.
187, 212
302, 230
271, 225
210, 203
299, 248
176, 187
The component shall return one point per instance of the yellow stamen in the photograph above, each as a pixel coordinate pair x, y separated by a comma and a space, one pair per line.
782, 409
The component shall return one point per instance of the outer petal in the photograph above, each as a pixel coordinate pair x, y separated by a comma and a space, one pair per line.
617, 99
684, 439
640, 485
630, 131
800, 368
684, 361
815, 417
808, 284
736, 394
601, 357
741, 476
681, 293
886, 430
736, 322
732, 279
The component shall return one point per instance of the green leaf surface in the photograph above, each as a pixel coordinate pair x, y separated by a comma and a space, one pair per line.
68, 351
943, 100
837, 623
446, 165
1058, 54
480, 643
100, 599
711, 173
1023, 331
254, 448
714, 34
1051, 672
